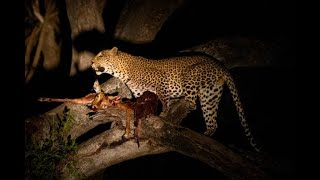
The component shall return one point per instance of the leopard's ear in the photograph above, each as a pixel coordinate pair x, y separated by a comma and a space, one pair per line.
114, 51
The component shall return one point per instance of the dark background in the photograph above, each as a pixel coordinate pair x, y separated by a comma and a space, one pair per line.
268, 93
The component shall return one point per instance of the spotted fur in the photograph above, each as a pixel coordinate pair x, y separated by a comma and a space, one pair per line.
190, 77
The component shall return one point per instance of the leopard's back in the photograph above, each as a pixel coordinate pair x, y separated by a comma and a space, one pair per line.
192, 77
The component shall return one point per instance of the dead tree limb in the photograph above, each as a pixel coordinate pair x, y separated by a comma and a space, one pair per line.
157, 136
198, 146
43, 39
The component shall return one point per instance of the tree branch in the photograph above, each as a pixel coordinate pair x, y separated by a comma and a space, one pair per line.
203, 148
157, 136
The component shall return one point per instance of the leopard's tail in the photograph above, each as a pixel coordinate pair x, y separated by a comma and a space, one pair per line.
235, 96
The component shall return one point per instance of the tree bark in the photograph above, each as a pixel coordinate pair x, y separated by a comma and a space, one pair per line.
45, 36
84, 16
141, 20
238, 51
138, 22
158, 135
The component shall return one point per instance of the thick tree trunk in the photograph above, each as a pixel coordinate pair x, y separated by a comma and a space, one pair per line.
84, 16
138, 22
238, 51
45, 39
158, 135
141, 20
96, 23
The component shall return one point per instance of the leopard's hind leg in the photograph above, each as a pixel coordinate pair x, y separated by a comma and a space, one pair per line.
203, 80
210, 95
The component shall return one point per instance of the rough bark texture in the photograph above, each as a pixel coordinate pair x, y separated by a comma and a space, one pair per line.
200, 147
95, 24
43, 36
238, 51
84, 16
158, 135
138, 22
141, 20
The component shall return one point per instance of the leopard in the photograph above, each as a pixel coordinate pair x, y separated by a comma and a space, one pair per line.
190, 77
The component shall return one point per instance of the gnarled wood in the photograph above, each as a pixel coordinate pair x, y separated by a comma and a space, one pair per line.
238, 51
158, 135
141, 20
45, 37
84, 16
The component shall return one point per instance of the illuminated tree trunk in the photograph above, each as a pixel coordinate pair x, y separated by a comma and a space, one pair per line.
158, 135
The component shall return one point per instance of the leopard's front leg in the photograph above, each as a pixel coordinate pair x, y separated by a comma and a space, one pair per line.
164, 97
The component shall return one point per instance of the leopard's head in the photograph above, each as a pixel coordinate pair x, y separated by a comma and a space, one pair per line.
109, 61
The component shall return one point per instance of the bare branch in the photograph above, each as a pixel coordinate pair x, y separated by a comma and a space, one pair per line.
30, 43
41, 36
203, 148
36, 11
108, 149
157, 136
